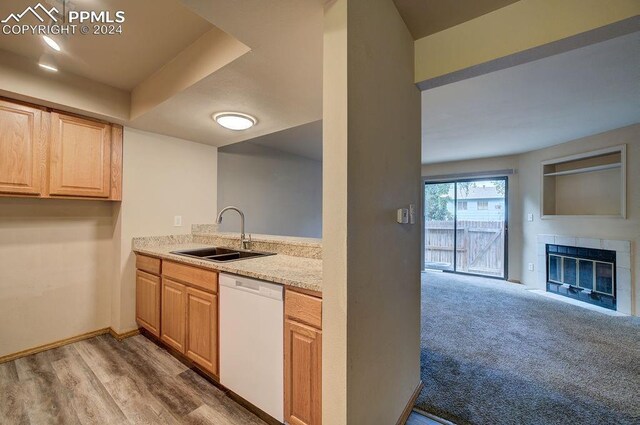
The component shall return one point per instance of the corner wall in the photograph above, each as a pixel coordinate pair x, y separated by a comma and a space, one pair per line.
55, 270
601, 228
163, 177
66, 266
371, 167
279, 193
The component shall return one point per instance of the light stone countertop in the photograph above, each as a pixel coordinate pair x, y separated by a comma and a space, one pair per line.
288, 270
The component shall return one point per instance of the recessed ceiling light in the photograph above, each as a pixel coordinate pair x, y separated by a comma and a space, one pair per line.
235, 120
55, 46
48, 67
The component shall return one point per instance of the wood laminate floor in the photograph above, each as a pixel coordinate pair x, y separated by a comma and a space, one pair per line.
103, 381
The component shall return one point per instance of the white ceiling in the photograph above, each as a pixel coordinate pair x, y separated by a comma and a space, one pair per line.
304, 140
279, 81
278, 78
151, 37
531, 106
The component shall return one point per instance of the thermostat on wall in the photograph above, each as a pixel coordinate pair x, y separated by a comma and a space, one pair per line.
403, 215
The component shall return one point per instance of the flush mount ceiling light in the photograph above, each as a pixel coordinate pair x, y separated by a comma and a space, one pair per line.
51, 42
235, 120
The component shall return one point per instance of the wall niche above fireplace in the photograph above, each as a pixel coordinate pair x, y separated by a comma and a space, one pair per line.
591, 184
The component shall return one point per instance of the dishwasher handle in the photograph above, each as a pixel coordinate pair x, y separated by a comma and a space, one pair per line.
256, 287
247, 284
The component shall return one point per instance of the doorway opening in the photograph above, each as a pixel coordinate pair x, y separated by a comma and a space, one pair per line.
466, 226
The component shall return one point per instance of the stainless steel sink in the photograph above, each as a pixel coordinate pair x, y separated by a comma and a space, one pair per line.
221, 255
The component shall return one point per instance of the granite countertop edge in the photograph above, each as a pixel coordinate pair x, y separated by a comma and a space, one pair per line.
299, 272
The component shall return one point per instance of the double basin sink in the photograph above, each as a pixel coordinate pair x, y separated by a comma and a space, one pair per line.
221, 255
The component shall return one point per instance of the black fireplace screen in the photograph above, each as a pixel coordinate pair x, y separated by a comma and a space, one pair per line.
583, 273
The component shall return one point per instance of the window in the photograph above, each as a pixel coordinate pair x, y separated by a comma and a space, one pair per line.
462, 205
483, 205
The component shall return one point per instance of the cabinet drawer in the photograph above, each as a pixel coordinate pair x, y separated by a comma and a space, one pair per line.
205, 279
148, 264
303, 308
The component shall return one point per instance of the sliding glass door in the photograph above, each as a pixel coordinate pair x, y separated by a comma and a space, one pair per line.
439, 226
470, 215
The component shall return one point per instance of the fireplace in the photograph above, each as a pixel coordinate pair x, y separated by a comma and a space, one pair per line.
585, 274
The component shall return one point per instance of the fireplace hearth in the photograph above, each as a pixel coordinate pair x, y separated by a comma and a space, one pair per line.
584, 274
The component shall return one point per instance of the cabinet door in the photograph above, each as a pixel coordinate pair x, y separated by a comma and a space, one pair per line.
148, 302
173, 314
21, 149
80, 157
302, 374
202, 329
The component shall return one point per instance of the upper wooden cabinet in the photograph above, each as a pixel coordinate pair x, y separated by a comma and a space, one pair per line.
51, 154
21, 149
80, 157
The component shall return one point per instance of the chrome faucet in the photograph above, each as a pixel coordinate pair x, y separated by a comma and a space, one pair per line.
246, 242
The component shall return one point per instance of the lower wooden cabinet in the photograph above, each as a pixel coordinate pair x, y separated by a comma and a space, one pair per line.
181, 308
202, 329
148, 302
173, 314
302, 360
189, 311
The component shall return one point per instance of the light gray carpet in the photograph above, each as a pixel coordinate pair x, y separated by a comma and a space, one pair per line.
494, 353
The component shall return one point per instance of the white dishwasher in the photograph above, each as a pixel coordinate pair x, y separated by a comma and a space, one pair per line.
251, 342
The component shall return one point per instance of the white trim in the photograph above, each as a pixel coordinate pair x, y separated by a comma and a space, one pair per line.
585, 155
585, 170
621, 149
448, 177
575, 302
562, 217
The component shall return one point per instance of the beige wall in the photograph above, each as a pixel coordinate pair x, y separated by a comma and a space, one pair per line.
334, 217
520, 26
371, 167
602, 228
66, 266
163, 177
279, 193
524, 193
514, 214
55, 270
21, 78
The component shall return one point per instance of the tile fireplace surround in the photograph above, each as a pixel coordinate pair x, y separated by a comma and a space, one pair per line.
624, 292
